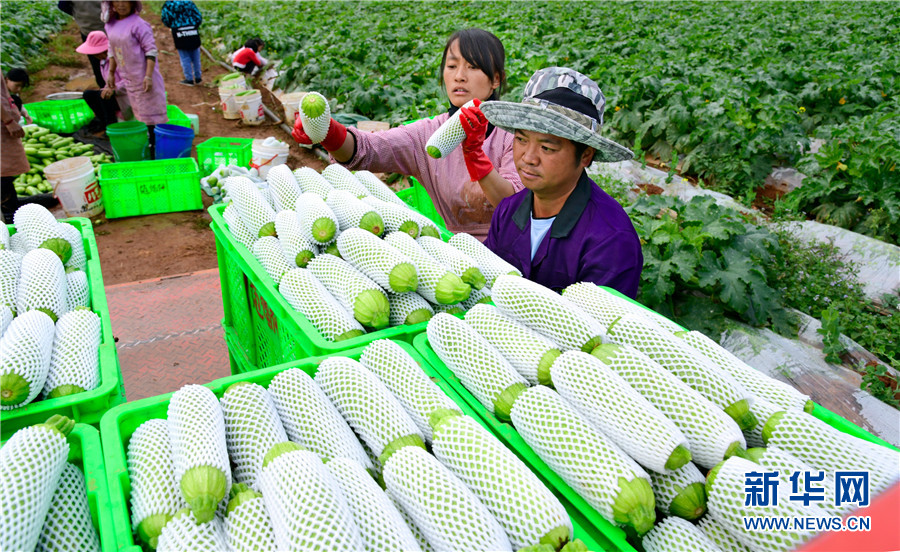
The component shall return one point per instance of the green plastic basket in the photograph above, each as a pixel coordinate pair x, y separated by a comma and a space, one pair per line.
416, 196
224, 151
150, 187
61, 116
120, 423
86, 454
87, 407
177, 116
268, 329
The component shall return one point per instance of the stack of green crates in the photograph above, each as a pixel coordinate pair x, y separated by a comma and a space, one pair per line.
150, 187
224, 151
60, 116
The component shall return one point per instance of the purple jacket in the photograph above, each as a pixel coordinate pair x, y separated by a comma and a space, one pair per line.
591, 240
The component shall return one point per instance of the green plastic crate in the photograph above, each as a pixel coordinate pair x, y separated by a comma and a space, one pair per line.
177, 116
150, 187
510, 437
416, 196
120, 423
61, 116
268, 329
86, 454
87, 407
224, 151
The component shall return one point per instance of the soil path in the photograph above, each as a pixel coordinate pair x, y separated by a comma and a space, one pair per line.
139, 248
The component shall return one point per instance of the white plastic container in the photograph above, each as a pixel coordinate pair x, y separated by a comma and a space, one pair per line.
268, 153
195, 122
249, 103
291, 103
75, 185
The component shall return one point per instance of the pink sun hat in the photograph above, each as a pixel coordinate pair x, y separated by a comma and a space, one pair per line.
95, 43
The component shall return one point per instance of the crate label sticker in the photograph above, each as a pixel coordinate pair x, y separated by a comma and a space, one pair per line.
262, 309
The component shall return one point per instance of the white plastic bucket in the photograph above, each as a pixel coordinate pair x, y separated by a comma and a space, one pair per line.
268, 153
229, 105
76, 186
291, 103
249, 103
233, 80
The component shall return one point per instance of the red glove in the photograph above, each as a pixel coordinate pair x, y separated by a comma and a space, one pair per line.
475, 124
337, 134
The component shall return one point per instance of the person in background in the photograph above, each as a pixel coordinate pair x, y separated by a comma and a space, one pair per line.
132, 57
13, 162
183, 17
466, 184
104, 105
87, 16
563, 228
16, 80
248, 59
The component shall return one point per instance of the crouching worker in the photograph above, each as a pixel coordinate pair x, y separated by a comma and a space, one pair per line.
562, 228
106, 103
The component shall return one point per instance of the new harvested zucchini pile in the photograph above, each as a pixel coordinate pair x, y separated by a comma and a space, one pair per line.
43, 148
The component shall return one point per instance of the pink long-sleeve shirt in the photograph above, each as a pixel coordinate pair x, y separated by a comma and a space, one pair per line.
460, 201
130, 41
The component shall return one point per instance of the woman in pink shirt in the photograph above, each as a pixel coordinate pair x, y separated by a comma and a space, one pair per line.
467, 184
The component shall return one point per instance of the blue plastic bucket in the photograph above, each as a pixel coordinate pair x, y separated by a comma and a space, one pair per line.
173, 141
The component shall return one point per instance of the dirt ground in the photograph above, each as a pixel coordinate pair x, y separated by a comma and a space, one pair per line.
139, 248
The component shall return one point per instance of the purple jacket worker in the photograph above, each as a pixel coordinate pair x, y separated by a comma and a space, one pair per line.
562, 228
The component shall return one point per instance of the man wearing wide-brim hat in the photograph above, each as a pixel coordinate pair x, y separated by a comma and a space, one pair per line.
562, 228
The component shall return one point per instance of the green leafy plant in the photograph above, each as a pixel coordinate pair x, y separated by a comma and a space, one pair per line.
881, 384
831, 335
24, 29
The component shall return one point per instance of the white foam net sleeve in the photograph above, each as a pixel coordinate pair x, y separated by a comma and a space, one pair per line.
454, 308
674, 533
42, 283
718, 533
68, 525
343, 280
79, 257
342, 179
377, 188
490, 263
544, 310
154, 488
311, 181
252, 428
248, 527
6, 316
10, 267
726, 503
197, 432
423, 543
31, 462
371, 255
667, 486
443, 508
291, 237
424, 222
349, 209
367, 405
756, 382
524, 507
431, 273
708, 429
573, 448
477, 297
184, 533
237, 228
307, 295
762, 410
454, 259
307, 509
393, 215
523, 347
448, 136
283, 187
253, 208
311, 420
75, 359
380, 524
311, 208
4, 237
619, 411
17, 244
268, 252
404, 378
480, 367
775, 459
36, 224
605, 306
681, 359
78, 290
25, 349
825, 448
404, 304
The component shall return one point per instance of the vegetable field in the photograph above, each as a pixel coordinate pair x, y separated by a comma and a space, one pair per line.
732, 89
24, 29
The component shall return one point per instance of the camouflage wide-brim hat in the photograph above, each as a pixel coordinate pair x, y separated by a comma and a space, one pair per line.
561, 102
